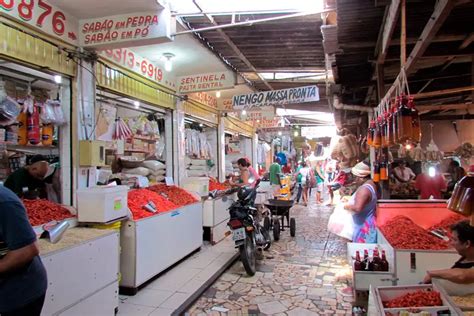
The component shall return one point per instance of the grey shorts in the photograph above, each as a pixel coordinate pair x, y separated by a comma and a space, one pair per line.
319, 187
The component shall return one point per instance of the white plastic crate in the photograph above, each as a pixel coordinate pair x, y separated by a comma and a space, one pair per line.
385, 293
102, 204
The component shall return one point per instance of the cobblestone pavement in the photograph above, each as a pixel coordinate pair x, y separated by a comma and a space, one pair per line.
302, 275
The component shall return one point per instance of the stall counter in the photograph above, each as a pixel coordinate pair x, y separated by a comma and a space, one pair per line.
82, 270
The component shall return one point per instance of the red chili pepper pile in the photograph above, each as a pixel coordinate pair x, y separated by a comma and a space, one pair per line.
138, 198
415, 299
174, 194
447, 222
402, 233
216, 185
44, 211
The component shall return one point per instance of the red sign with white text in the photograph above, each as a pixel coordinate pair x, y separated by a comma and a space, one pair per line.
142, 66
44, 17
135, 29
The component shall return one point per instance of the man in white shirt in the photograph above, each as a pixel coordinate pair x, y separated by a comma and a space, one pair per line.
402, 173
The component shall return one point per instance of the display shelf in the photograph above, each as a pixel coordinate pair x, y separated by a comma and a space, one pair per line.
137, 151
144, 138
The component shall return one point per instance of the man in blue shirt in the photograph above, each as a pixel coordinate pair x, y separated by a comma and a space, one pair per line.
23, 279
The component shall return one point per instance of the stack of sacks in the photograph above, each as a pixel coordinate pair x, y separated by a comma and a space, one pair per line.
157, 170
197, 168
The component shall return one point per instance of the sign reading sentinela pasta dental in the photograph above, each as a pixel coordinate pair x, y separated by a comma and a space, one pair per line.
276, 97
206, 82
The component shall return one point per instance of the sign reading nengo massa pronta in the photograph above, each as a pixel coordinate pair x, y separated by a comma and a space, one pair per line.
276, 97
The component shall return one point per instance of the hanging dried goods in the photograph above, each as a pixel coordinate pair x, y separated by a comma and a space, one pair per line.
465, 151
122, 130
418, 298
402, 233
44, 211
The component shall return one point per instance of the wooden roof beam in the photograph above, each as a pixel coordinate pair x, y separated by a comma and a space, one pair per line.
467, 41
231, 44
442, 92
440, 13
388, 28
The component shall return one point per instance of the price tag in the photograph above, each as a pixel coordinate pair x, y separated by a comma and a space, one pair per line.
169, 181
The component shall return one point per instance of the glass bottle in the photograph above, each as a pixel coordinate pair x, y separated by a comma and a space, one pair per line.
383, 169
385, 140
376, 261
462, 200
377, 141
365, 263
394, 133
416, 126
357, 262
384, 262
370, 133
404, 119
376, 177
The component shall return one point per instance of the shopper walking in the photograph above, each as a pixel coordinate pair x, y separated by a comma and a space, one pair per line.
319, 176
23, 280
363, 203
275, 173
299, 183
305, 181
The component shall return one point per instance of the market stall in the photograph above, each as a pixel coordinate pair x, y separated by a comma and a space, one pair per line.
408, 233
165, 226
36, 114
134, 133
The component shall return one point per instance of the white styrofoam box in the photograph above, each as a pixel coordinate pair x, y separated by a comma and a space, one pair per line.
363, 279
200, 185
102, 204
76, 273
411, 264
385, 293
216, 210
151, 245
101, 303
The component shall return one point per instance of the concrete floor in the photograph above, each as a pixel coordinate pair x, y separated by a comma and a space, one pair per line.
302, 275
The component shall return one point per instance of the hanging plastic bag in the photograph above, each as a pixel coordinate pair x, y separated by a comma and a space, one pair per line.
60, 118
9, 111
47, 115
341, 222
159, 149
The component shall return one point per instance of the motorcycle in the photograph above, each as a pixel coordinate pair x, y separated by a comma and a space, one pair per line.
247, 233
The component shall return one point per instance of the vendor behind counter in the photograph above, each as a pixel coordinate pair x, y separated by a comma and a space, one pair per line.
37, 179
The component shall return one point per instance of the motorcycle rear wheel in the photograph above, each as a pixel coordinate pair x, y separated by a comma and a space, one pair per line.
248, 255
